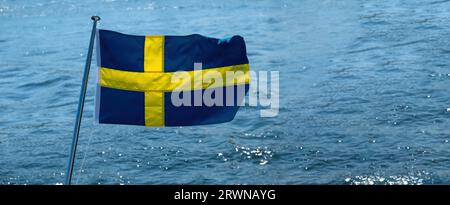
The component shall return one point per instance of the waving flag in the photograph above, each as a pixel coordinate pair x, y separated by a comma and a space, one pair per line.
136, 79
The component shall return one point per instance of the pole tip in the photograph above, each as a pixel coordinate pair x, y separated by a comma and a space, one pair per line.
95, 18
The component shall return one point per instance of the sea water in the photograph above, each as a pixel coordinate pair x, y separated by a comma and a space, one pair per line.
364, 94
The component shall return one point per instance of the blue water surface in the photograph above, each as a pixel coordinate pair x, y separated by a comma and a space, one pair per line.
364, 94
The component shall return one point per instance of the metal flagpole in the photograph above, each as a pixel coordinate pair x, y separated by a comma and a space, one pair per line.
76, 131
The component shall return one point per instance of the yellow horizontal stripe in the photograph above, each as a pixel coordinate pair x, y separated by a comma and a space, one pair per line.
162, 81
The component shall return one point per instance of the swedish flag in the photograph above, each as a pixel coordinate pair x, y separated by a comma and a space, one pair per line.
136, 75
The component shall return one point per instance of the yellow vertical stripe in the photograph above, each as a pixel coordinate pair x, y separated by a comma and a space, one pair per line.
154, 108
154, 54
154, 62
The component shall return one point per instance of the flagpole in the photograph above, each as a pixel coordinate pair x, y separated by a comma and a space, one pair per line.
76, 131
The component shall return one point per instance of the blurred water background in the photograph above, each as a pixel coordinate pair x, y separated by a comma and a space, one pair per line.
364, 93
